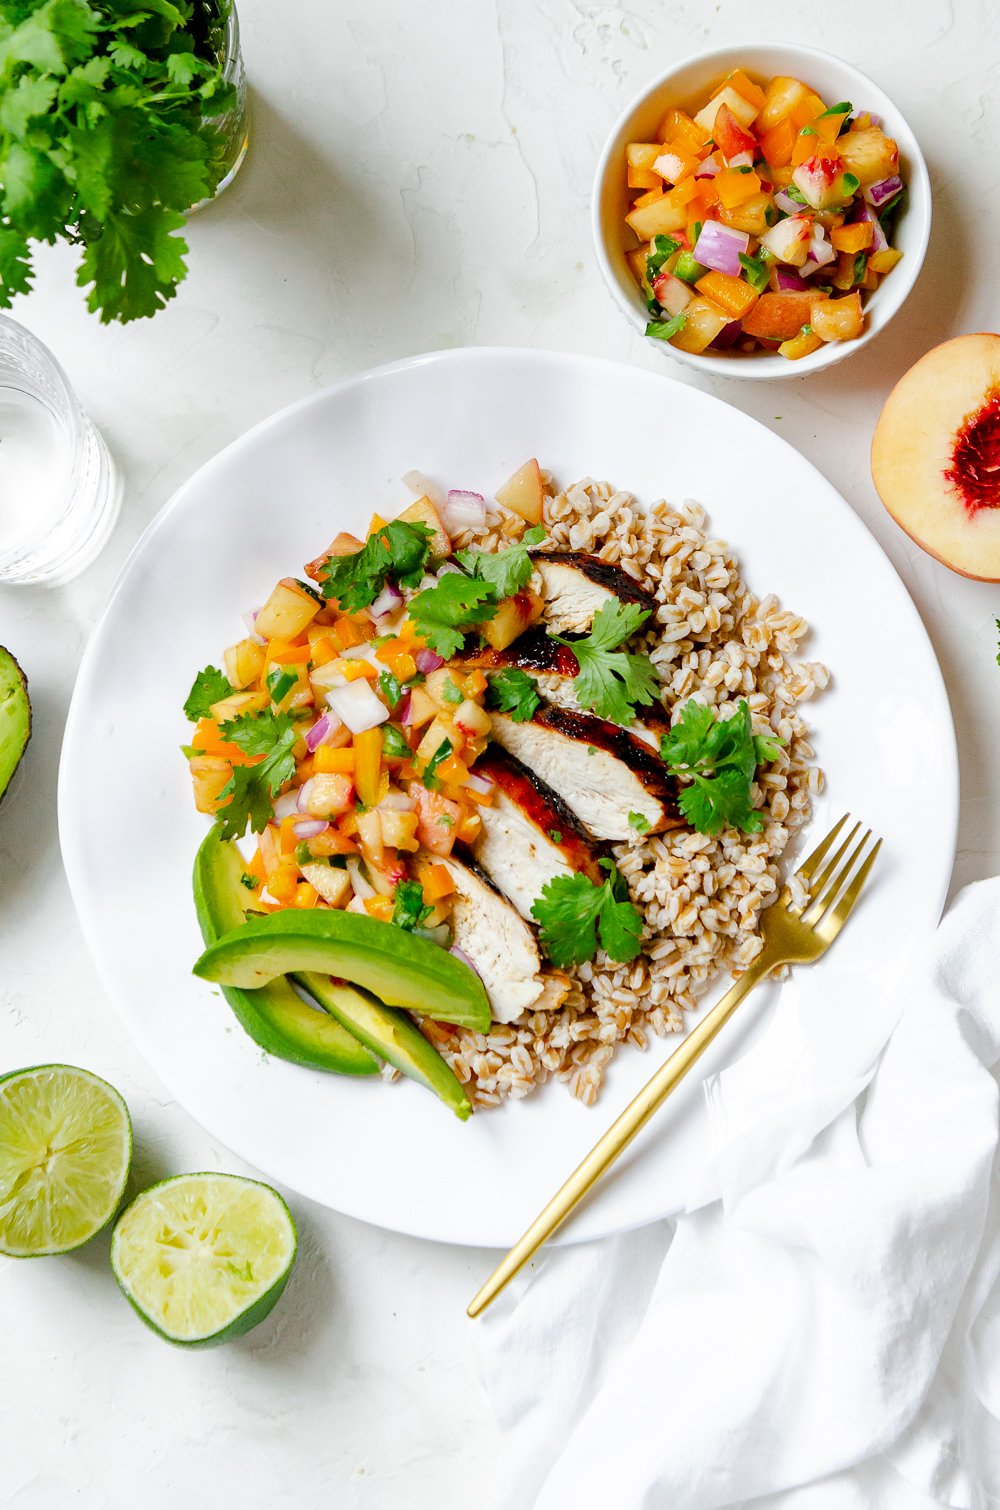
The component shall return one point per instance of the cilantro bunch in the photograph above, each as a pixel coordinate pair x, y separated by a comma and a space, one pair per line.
105, 141
445, 612
719, 760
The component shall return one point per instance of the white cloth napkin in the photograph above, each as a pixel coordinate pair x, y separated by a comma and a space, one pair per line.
826, 1336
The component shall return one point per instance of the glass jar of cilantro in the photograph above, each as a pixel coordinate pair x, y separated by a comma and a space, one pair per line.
219, 25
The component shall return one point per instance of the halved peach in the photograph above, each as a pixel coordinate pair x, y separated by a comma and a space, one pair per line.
936, 454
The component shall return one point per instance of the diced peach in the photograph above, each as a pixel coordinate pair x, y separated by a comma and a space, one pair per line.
642, 154
329, 795
746, 87
779, 317
424, 512
472, 721
341, 545
789, 239
524, 493
702, 325
435, 736
777, 144
244, 662
636, 260
287, 611
805, 111
642, 178
228, 708
800, 345
437, 820
734, 295
512, 618
672, 293
869, 155
752, 216
677, 126
370, 835
331, 882
853, 238
675, 162
209, 775
399, 829
838, 319
780, 98
422, 708
744, 112
662, 217
884, 262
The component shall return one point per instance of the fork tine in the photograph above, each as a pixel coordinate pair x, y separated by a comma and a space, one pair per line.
832, 922
819, 884
829, 886
818, 855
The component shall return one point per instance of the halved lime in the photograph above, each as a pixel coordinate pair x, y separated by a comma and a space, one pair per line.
65, 1151
204, 1257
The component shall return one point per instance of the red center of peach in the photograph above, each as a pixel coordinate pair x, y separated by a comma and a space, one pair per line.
975, 461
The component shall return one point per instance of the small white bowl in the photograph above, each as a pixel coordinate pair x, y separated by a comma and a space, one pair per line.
686, 85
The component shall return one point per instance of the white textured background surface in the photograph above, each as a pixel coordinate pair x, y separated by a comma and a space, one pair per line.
419, 178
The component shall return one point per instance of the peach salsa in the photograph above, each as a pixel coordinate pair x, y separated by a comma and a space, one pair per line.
763, 219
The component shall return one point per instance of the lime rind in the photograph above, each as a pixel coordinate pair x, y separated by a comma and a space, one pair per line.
65, 1155
203, 1258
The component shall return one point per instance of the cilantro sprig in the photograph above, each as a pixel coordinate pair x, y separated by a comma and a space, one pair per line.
514, 692
398, 550
718, 758
507, 570
576, 916
611, 681
444, 612
409, 908
662, 330
105, 142
209, 686
248, 796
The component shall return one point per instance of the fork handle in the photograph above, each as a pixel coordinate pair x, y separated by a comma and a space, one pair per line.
620, 1134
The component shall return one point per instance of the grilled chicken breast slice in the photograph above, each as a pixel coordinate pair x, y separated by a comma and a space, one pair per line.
500, 944
533, 651
575, 585
601, 772
528, 835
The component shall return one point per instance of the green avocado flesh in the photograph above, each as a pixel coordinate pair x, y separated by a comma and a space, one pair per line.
274, 1015
15, 717
394, 965
390, 1034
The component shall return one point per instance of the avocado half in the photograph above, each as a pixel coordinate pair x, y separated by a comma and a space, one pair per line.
15, 717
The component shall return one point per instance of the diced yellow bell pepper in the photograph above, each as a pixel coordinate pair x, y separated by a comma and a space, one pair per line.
368, 765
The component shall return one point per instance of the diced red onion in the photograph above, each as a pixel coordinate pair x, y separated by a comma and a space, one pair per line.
709, 168
877, 194
323, 729
250, 620
388, 601
461, 954
788, 280
287, 805
446, 567
728, 336
785, 202
463, 510
864, 211
309, 828
479, 784
874, 120
428, 660
403, 709
362, 887
358, 706
303, 795
820, 252
422, 487
719, 247
741, 160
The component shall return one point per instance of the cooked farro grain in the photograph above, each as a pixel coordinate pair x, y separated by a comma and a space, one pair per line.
701, 897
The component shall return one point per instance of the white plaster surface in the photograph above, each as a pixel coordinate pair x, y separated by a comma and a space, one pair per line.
420, 177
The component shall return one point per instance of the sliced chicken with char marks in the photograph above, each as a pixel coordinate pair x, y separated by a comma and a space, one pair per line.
528, 834
533, 651
601, 772
575, 585
500, 944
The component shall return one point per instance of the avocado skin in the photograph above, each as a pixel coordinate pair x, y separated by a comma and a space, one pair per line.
15, 718
392, 1035
398, 968
274, 1016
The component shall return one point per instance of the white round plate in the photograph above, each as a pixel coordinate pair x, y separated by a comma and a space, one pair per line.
393, 1155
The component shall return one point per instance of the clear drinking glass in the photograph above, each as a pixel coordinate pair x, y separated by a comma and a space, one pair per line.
58, 493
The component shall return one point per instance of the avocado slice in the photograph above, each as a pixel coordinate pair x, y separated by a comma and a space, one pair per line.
390, 1034
275, 1016
15, 717
396, 966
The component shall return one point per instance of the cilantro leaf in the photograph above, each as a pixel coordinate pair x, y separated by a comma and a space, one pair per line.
757, 271
252, 788
662, 330
513, 692
720, 759
394, 743
611, 681
444, 612
429, 778
575, 916
410, 909
639, 822
390, 687
210, 686
399, 550
507, 570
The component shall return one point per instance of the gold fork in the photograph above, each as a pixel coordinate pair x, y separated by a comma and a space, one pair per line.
794, 933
